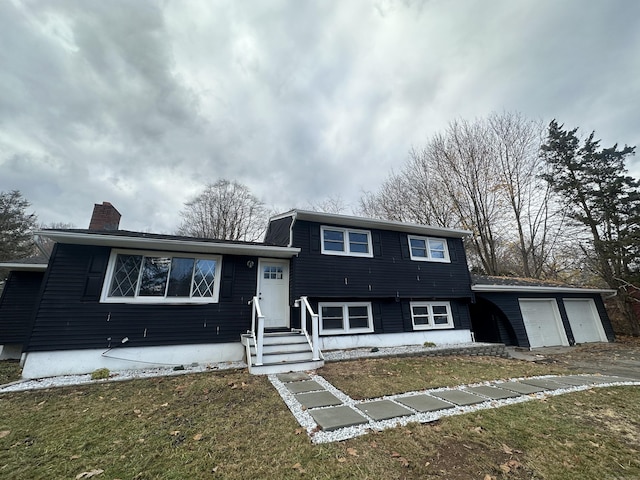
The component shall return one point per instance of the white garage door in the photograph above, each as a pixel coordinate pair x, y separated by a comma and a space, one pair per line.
584, 320
543, 323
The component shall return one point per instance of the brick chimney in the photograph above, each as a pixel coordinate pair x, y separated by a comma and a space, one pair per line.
105, 217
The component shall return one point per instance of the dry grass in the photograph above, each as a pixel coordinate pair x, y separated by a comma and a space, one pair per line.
374, 378
9, 371
235, 426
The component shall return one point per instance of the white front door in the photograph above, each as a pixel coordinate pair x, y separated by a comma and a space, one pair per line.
584, 320
543, 323
273, 292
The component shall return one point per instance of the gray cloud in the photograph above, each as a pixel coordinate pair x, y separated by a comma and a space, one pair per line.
142, 103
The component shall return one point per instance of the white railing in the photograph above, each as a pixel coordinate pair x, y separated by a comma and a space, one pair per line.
314, 340
258, 336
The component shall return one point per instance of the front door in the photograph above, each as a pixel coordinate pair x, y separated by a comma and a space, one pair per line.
273, 292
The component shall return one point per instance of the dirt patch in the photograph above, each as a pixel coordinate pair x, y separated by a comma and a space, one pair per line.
464, 460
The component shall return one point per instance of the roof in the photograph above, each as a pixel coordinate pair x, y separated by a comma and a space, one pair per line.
363, 222
32, 264
484, 283
154, 241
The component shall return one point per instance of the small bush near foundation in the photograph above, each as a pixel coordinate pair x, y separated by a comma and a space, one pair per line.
429, 344
178, 367
375, 349
100, 374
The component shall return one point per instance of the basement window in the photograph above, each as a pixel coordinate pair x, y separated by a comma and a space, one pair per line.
431, 315
345, 318
142, 277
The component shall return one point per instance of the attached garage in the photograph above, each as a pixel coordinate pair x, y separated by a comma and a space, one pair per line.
584, 320
531, 313
543, 323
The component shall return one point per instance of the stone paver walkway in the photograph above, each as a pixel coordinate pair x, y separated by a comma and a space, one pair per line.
330, 415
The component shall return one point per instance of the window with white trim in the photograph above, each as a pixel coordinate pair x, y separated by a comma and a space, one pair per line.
159, 277
431, 315
345, 318
428, 249
346, 241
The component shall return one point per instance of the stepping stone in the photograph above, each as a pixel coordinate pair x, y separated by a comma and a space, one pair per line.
614, 379
577, 381
300, 387
292, 377
597, 379
318, 399
383, 410
521, 388
424, 403
493, 393
545, 383
459, 397
333, 418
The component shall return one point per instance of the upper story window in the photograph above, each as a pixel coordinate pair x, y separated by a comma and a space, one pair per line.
346, 241
431, 315
150, 277
428, 249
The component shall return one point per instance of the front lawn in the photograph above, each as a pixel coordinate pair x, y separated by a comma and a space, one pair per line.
235, 426
372, 378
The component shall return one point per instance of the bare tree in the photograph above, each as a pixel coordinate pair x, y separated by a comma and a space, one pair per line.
483, 176
225, 210
334, 204
45, 244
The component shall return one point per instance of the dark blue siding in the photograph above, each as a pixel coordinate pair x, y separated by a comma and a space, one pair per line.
17, 304
70, 315
279, 232
507, 302
389, 274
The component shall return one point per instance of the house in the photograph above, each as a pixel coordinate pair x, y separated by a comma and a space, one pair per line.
117, 299
17, 302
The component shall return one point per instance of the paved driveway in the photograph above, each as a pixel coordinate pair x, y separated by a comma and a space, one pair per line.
619, 358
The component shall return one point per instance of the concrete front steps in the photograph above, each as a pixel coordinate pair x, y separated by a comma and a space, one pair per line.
282, 352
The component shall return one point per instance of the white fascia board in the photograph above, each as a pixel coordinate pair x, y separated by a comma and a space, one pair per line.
119, 241
24, 267
351, 221
538, 289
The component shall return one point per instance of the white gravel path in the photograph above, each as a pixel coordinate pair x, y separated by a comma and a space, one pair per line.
320, 436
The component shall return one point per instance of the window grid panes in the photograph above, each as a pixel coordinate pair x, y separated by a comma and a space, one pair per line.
125, 276
431, 315
272, 272
344, 318
159, 278
428, 249
345, 241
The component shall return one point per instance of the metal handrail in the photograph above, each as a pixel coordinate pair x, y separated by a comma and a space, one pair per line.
314, 341
258, 339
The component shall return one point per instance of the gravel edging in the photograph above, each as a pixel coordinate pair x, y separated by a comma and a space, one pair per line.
119, 376
471, 348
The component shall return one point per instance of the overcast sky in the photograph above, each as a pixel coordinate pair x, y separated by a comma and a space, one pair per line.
141, 103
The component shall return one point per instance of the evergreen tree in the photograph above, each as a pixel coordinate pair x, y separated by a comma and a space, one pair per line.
599, 195
16, 226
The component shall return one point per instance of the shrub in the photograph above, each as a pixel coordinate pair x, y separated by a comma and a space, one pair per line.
429, 344
100, 374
